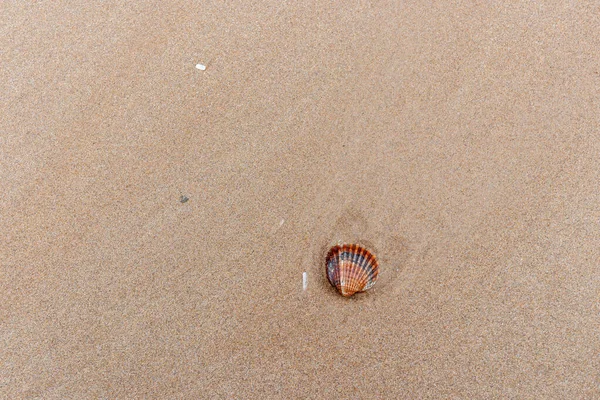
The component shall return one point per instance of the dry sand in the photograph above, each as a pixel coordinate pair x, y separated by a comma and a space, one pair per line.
459, 141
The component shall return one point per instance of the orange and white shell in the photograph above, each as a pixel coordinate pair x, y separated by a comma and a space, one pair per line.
351, 268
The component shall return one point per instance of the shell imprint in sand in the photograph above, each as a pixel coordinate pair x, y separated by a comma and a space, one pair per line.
351, 268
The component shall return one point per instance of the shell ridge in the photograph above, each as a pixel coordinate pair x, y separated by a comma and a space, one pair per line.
342, 268
342, 262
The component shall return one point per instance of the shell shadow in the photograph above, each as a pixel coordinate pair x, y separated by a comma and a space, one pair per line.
393, 258
392, 251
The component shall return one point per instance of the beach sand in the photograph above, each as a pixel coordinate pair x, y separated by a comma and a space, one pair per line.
157, 217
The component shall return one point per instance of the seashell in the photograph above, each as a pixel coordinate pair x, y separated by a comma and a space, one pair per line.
351, 268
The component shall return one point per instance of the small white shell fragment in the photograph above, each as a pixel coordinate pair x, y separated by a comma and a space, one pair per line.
201, 67
282, 221
304, 280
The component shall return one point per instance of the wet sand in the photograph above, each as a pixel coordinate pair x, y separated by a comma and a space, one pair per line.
158, 218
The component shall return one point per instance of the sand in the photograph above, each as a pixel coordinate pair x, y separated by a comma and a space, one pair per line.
157, 217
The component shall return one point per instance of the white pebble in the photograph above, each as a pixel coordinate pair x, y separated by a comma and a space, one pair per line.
281, 223
201, 67
304, 280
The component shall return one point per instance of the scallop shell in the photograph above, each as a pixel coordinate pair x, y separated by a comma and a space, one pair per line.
351, 268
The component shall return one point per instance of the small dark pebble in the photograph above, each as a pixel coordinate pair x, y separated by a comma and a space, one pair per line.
183, 199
